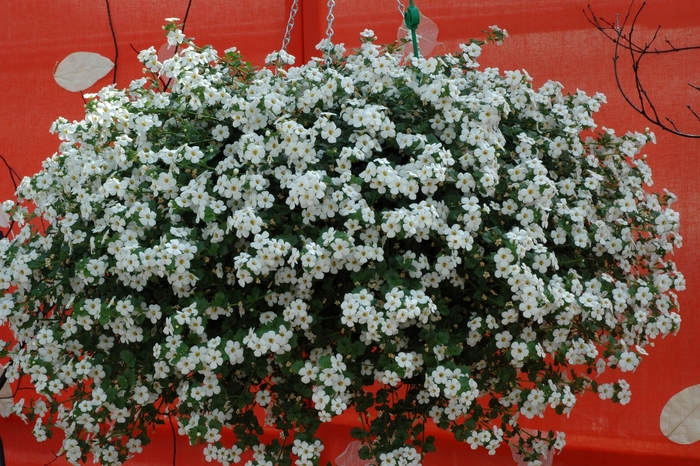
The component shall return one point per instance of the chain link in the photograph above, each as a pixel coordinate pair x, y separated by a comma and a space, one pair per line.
329, 32
290, 25
402, 9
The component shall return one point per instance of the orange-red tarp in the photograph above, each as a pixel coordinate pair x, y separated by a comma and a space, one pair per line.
551, 39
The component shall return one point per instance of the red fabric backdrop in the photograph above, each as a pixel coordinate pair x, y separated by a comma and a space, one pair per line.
551, 39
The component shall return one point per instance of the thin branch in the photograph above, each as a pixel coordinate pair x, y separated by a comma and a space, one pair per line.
172, 428
187, 14
610, 29
693, 112
14, 176
15, 179
55, 457
184, 23
623, 36
114, 39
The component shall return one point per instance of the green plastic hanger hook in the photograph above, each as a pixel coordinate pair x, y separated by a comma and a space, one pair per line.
412, 19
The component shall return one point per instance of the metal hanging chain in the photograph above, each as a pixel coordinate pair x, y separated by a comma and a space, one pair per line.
290, 25
402, 9
329, 32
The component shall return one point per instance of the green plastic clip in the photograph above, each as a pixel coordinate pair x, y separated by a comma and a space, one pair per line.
412, 19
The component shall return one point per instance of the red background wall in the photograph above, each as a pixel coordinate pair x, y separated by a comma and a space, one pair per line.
551, 39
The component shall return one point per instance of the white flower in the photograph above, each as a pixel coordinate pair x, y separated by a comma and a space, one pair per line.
262, 397
628, 361
141, 395
503, 339
220, 132
519, 350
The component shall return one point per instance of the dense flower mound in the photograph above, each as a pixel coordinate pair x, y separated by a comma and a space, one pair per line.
419, 241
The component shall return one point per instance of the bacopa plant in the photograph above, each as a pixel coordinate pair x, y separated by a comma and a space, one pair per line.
416, 240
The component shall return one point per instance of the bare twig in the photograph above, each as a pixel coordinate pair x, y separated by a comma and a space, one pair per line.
184, 23
114, 39
172, 428
15, 179
623, 36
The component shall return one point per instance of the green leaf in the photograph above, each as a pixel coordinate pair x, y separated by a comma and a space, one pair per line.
324, 362
357, 433
130, 378
358, 349
429, 445
122, 382
128, 358
297, 366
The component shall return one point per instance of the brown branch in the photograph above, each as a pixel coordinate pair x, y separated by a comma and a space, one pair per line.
15, 179
114, 39
623, 37
172, 428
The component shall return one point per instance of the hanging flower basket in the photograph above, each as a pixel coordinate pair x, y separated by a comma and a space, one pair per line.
416, 242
